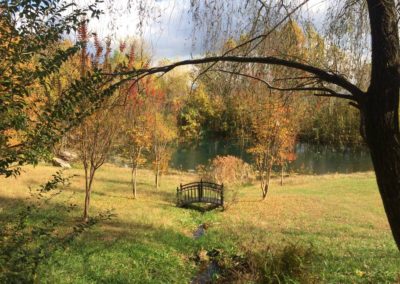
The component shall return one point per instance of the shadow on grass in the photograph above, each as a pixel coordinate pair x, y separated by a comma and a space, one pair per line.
202, 207
126, 252
158, 194
111, 180
126, 194
32, 231
115, 251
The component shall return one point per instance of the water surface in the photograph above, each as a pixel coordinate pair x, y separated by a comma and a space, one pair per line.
311, 159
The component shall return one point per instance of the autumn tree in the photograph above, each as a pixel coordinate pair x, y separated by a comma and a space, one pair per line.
95, 135
138, 142
163, 135
31, 120
163, 130
197, 112
272, 138
136, 131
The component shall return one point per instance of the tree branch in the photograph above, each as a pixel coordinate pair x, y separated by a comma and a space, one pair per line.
330, 92
268, 60
336, 95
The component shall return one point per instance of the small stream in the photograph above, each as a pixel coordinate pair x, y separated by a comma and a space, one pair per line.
200, 231
208, 266
205, 275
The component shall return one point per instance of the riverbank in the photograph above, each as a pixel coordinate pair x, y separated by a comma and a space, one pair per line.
329, 228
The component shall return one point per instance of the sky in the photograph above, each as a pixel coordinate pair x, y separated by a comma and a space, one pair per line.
168, 33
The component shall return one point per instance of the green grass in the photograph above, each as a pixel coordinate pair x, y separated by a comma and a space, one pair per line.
339, 218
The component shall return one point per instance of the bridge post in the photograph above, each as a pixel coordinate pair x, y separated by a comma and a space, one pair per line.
182, 197
178, 196
222, 194
200, 191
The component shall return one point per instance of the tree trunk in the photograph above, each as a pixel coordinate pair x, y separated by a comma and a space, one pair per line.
265, 186
86, 208
134, 175
265, 191
282, 171
135, 165
88, 191
157, 177
385, 153
380, 108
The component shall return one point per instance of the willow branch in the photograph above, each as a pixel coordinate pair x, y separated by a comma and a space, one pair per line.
261, 38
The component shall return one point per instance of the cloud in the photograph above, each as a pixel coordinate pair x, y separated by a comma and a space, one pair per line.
164, 25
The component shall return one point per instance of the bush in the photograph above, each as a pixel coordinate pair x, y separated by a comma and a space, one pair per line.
290, 264
229, 170
293, 263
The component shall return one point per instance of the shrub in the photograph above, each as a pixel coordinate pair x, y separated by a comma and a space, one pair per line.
229, 170
290, 264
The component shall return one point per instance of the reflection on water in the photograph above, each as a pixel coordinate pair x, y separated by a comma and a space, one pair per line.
310, 158
323, 159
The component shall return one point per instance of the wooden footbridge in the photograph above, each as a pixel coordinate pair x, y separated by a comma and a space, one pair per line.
200, 192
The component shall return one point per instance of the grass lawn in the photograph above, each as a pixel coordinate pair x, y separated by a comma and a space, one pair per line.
321, 229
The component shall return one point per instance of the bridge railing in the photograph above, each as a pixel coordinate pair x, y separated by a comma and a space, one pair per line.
203, 191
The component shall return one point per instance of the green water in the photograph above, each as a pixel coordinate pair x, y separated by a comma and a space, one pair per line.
310, 158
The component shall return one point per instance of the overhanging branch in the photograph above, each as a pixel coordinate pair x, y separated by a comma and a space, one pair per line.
321, 74
327, 91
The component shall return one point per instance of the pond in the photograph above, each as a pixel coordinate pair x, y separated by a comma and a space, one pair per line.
311, 159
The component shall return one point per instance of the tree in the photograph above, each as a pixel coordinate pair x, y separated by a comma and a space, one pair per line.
31, 119
272, 138
378, 104
136, 133
134, 139
162, 121
195, 113
95, 137
139, 141
163, 135
96, 134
